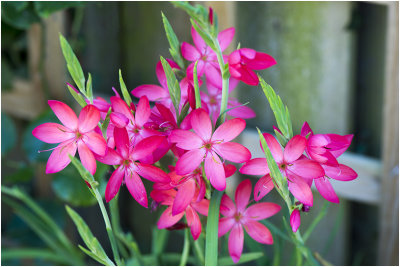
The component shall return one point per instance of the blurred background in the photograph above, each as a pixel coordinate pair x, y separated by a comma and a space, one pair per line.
337, 69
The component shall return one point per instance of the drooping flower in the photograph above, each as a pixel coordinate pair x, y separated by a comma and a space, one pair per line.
203, 145
72, 135
243, 61
295, 220
238, 216
297, 168
128, 158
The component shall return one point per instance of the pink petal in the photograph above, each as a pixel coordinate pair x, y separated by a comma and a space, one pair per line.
184, 196
185, 139
59, 158
189, 52
95, 142
194, 223
151, 172
114, 183
201, 124
307, 168
136, 187
305, 129
52, 133
300, 189
151, 91
87, 157
167, 219
242, 195
229, 130
213, 76
239, 111
225, 38
248, 76
225, 225
121, 141
110, 158
146, 146
257, 166
189, 161
229, 169
227, 207
346, 174
247, 53
261, 61
295, 220
261, 211
88, 118
274, 147
215, 171
64, 113
119, 105
119, 119
201, 206
259, 232
339, 143
233, 152
198, 41
294, 148
234, 58
143, 111
326, 190
263, 186
235, 242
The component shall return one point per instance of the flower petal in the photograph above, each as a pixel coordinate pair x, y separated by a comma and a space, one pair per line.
114, 183
306, 168
136, 187
185, 139
242, 195
119, 119
87, 158
64, 113
151, 91
143, 111
300, 189
294, 148
224, 225
261, 211
110, 158
295, 220
261, 61
201, 206
346, 173
184, 196
229, 130
167, 219
233, 152
225, 37
274, 147
121, 141
189, 52
227, 207
119, 105
326, 190
88, 118
198, 41
215, 171
146, 146
151, 172
257, 166
59, 158
95, 142
194, 223
259, 232
189, 161
263, 186
52, 133
201, 124
235, 242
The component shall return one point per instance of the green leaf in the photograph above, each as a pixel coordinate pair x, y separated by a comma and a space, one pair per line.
84, 173
46, 8
173, 42
196, 86
77, 96
184, 112
280, 111
173, 85
188, 8
73, 65
212, 229
22, 174
105, 123
19, 14
8, 134
246, 257
91, 242
89, 89
186, 248
32, 253
125, 93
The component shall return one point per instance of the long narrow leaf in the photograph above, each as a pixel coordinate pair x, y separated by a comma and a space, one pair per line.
246, 257
173, 42
212, 229
32, 253
124, 90
173, 85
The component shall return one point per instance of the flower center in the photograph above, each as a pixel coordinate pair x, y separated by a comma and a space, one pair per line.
78, 135
238, 216
208, 146
282, 166
126, 162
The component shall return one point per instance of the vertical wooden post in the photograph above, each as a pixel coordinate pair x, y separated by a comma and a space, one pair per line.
389, 213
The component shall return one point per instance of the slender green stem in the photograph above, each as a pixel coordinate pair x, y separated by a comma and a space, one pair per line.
115, 223
225, 80
108, 226
211, 258
199, 251
186, 248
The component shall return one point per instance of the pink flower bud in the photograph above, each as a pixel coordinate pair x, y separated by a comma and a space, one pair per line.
295, 220
211, 15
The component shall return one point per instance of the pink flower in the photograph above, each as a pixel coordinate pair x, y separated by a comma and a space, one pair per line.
72, 135
295, 220
167, 219
297, 168
206, 57
127, 157
238, 216
243, 61
203, 145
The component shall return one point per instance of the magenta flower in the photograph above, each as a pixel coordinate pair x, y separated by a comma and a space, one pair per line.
72, 135
243, 61
297, 168
238, 216
129, 169
167, 219
203, 145
295, 220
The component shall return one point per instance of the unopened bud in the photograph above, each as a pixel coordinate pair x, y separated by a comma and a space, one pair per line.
211, 15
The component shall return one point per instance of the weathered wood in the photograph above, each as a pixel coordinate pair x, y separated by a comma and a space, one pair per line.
389, 203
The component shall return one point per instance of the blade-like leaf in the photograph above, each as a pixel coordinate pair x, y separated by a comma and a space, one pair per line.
125, 93
204, 35
173, 85
246, 257
212, 229
78, 97
173, 42
196, 86
89, 90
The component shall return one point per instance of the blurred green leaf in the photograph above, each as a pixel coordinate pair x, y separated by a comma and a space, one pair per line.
173, 42
125, 93
19, 14
46, 8
8, 134
73, 65
22, 174
173, 85
246, 257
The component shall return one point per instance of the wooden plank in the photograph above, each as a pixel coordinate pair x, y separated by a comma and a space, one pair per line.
388, 249
366, 188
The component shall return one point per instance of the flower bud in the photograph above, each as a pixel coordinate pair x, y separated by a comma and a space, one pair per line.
211, 15
295, 220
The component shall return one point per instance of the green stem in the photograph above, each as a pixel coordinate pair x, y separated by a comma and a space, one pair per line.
108, 226
211, 258
199, 251
196, 86
225, 81
186, 247
115, 223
